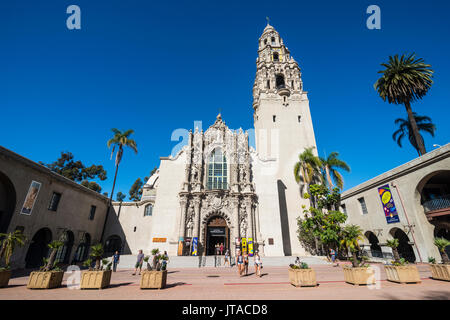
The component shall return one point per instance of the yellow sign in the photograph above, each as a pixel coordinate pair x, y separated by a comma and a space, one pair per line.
159, 239
244, 245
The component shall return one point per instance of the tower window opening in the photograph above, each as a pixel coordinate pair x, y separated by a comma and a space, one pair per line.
265, 41
280, 81
268, 84
274, 118
273, 40
276, 56
292, 84
299, 118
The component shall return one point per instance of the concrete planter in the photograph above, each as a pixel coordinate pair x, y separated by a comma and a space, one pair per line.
153, 279
95, 279
45, 280
302, 277
359, 276
4, 278
403, 274
440, 271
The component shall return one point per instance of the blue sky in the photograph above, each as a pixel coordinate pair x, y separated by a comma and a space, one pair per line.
158, 66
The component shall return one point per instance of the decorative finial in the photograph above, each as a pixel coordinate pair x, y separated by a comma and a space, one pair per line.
267, 18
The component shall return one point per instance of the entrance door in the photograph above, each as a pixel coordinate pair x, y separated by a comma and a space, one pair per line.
217, 233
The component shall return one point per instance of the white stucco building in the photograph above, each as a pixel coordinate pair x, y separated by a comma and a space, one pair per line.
218, 188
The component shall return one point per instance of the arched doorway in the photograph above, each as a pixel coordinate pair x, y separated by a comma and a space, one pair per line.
38, 248
375, 248
113, 244
405, 250
63, 253
7, 202
217, 232
83, 249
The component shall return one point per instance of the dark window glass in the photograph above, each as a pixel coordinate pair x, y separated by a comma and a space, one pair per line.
92, 213
148, 210
54, 201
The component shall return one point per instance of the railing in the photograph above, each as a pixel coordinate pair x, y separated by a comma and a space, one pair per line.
442, 202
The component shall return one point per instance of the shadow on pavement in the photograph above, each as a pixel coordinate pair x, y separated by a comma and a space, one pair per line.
437, 295
115, 285
172, 285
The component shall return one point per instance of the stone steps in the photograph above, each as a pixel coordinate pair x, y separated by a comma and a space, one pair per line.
128, 261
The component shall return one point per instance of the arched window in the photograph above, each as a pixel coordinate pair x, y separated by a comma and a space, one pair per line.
148, 211
273, 40
275, 56
217, 170
279, 81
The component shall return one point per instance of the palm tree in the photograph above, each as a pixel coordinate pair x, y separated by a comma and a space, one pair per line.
405, 80
119, 141
393, 244
442, 243
423, 124
351, 234
8, 244
330, 166
54, 246
307, 169
97, 253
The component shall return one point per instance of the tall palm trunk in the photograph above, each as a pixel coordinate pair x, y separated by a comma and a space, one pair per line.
51, 260
109, 203
396, 255
444, 256
415, 129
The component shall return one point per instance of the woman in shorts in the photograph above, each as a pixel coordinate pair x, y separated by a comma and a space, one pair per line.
258, 264
246, 263
240, 262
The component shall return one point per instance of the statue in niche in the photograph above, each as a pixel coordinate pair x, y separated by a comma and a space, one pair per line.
243, 228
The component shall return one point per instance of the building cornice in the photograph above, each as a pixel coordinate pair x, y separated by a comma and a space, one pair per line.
34, 165
400, 171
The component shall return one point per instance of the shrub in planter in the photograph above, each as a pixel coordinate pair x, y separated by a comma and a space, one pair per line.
98, 277
441, 271
360, 272
8, 243
400, 271
155, 277
49, 275
301, 275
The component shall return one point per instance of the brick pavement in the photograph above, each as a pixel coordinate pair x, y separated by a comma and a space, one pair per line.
224, 283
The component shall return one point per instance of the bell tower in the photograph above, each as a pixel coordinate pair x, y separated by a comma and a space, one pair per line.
283, 129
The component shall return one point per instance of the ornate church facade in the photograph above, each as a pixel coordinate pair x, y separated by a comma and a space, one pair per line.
219, 190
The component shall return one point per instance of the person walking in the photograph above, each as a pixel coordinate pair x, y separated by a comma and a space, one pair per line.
333, 257
258, 264
240, 262
165, 261
139, 261
246, 263
227, 258
221, 248
116, 260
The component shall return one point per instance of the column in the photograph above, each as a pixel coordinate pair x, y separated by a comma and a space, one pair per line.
182, 227
195, 233
235, 227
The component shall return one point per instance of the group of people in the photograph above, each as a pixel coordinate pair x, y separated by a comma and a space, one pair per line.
139, 261
219, 248
242, 262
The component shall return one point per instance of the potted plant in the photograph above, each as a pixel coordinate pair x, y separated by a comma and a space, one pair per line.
7, 245
400, 271
99, 276
441, 271
155, 277
301, 275
360, 272
49, 275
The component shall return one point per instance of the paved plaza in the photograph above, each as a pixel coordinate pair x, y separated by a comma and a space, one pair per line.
224, 283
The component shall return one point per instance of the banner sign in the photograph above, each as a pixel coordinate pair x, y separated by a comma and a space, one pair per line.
244, 245
388, 204
250, 247
180, 246
30, 199
159, 239
194, 246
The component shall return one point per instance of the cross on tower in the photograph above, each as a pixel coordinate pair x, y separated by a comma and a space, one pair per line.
267, 18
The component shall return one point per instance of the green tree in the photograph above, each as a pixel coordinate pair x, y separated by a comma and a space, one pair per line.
8, 243
393, 244
66, 166
120, 196
442, 243
423, 124
136, 190
403, 81
330, 166
351, 234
